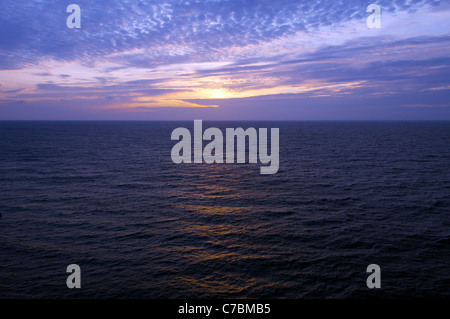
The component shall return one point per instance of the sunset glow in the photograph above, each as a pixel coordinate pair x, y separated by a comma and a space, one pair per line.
236, 58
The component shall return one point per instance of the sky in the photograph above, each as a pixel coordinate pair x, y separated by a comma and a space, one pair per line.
225, 60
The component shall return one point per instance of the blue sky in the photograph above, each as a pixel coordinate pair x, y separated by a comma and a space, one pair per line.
225, 60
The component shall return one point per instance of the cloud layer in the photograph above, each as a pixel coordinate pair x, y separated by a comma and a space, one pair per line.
131, 57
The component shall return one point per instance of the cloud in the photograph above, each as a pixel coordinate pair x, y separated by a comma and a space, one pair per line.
137, 55
151, 103
169, 31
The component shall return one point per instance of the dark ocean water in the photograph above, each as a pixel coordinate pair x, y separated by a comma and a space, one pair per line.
107, 196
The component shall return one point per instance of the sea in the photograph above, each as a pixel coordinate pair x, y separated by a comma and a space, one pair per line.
107, 196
